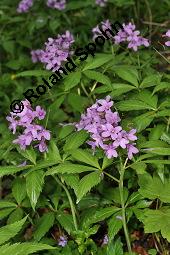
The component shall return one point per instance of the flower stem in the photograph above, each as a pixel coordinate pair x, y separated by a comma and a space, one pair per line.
73, 211
122, 171
112, 177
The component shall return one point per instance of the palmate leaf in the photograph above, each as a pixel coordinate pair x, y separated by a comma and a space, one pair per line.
127, 73
151, 80
115, 248
19, 189
86, 183
97, 76
85, 157
157, 220
98, 60
43, 225
23, 248
7, 170
34, 183
70, 169
9, 231
66, 221
75, 140
99, 215
153, 187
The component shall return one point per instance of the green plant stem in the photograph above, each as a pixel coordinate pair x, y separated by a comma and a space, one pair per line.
112, 177
122, 171
73, 211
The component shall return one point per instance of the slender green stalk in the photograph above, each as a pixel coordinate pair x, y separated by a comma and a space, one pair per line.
70, 201
122, 171
112, 177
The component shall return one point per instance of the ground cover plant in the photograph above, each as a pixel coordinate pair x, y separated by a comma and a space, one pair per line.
85, 166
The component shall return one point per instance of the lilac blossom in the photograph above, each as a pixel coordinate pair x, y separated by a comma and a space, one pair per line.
105, 240
126, 35
101, 3
167, 35
104, 25
105, 131
57, 4
62, 241
32, 132
131, 36
56, 51
24, 6
36, 55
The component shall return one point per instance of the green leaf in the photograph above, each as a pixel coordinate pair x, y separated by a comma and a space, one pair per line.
70, 169
7, 170
144, 120
99, 215
139, 167
66, 221
29, 154
127, 73
19, 189
115, 248
87, 183
85, 157
160, 151
161, 86
23, 248
9, 231
6, 204
74, 5
53, 152
5, 212
34, 183
75, 140
35, 73
71, 180
98, 60
130, 105
151, 80
43, 225
16, 215
153, 188
72, 80
114, 225
97, 76
143, 97
157, 220
120, 88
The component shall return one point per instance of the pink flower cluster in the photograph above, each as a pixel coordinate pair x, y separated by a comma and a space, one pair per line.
167, 35
57, 4
105, 131
126, 35
56, 51
24, 6
101, 3
32, 131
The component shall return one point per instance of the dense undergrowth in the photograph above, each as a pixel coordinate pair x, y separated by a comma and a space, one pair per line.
85, 168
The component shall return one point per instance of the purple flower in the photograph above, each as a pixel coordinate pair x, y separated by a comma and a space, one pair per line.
40, 113
105, 131
131, 150
24, 6
56, 51
104, 25
131, 36
62, 241
105, 240
101, 3
32, 132
57, 4
36, 55
167, 35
